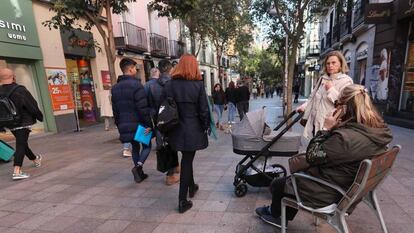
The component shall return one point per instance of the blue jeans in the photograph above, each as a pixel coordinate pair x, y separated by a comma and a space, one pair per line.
137, 157
232, 111
126, 146
219, 111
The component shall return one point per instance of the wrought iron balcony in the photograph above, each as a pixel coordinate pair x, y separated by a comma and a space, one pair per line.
132, 38
345, 23
336, 33
159, 45
323, 46
176, 49
313, 50
359, 11
328, 40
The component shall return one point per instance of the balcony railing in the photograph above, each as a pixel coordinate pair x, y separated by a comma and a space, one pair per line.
132, 38
159, 45
323, 46
359, 11
176, 49
313, 51
336, 33
345, 23
328, 40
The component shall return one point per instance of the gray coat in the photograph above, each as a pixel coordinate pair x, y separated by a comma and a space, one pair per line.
191, 99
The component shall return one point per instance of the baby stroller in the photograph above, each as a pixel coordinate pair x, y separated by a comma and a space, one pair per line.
254, 139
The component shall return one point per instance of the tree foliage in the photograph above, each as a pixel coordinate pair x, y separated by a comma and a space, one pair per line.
222, 21
262, 64
69, 15
289, 17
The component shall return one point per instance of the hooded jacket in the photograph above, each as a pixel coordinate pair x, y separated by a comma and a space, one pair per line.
337, 159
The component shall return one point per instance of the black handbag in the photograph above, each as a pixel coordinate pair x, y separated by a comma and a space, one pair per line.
166, 158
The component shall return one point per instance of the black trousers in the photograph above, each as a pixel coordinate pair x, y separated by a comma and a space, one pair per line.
278, 192
22, 147
242, 108
186, 174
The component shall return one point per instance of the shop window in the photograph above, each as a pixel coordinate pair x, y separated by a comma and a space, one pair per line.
407, 97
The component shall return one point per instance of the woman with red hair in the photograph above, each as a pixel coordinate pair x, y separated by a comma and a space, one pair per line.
187, 89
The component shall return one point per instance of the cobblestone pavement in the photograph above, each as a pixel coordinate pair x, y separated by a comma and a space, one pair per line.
86, 186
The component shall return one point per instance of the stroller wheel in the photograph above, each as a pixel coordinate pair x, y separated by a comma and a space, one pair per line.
240, 190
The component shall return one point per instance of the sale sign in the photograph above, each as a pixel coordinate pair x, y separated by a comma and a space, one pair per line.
59, 89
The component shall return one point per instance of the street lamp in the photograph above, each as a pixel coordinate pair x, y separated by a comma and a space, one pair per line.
273, 12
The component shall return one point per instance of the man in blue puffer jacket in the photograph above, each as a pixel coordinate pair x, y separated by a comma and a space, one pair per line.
130, 108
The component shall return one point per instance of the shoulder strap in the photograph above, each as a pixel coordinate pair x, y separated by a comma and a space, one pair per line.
11, 91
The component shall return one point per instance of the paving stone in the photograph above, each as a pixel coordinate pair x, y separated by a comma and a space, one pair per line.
220, 206
112, 226
241, 206
13, 219
58, 224
140, 227
85, 211
58, 209
36, 207
207, 218
34, 222
85, 225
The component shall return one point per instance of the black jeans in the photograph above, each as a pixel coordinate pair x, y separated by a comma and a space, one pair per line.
22, 147
186, 174
243, 108
278, 192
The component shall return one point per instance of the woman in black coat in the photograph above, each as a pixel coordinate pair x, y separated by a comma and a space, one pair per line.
187, 89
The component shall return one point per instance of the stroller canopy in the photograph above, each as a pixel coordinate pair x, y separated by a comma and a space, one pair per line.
252, 124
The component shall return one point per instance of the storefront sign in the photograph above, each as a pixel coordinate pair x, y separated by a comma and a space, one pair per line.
78, 43
106, 78
59, 89
378, 13
17, 24
406, 8
88, 105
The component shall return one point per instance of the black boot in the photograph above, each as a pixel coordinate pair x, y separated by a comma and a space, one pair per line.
192, 190
139, 174
184, 205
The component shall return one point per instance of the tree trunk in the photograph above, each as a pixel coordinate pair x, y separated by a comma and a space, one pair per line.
193, 45
219, 66
111, 45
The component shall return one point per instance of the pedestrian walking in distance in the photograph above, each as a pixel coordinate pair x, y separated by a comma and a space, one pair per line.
187, 89
28, 112
130, 108
243, 96
231, 102
106, 105
219, 100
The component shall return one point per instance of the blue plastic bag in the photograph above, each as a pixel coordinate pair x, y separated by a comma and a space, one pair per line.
141, 137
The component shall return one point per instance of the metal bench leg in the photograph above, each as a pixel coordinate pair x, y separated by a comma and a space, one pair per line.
283, 217
376, 207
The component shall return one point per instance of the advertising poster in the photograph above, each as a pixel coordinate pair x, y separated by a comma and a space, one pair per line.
59, 89
106, 78
88, 105
380, 83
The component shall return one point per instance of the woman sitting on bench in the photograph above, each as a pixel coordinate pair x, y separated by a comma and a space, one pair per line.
354, 132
